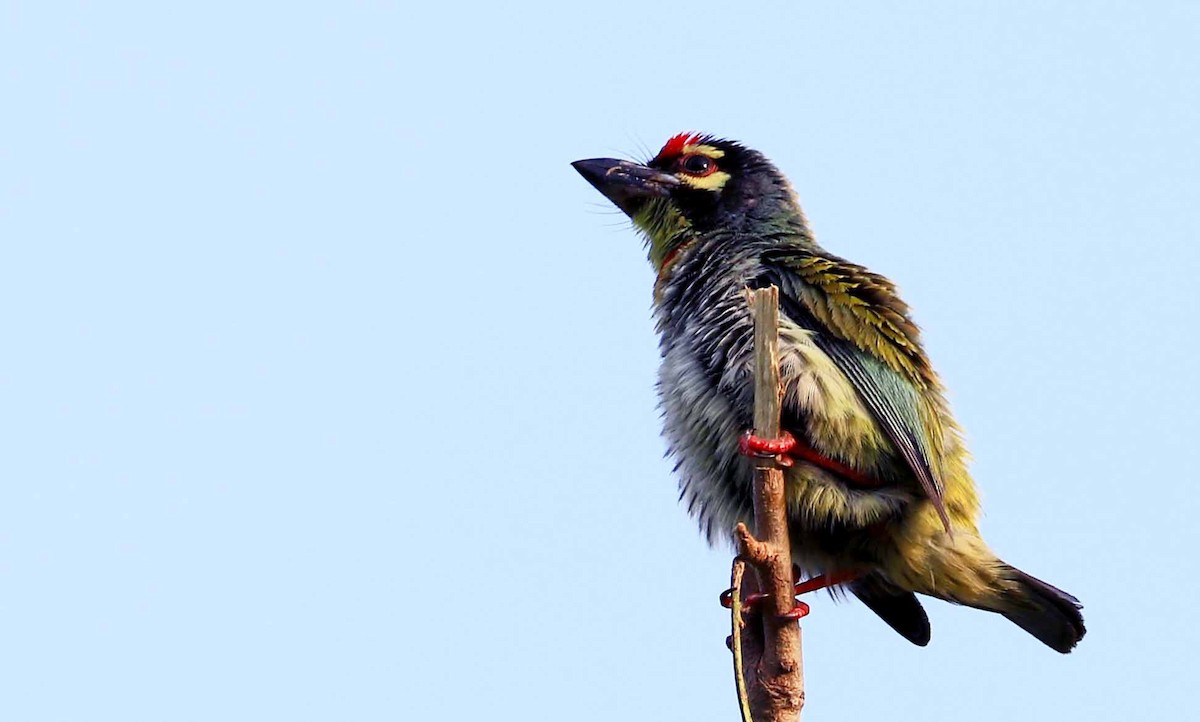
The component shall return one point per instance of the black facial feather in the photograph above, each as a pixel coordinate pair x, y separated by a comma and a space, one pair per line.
755, 193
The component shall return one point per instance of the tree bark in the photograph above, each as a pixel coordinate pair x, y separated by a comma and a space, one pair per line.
770, 666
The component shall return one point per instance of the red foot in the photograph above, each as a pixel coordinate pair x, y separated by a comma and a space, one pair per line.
799, 611
747, 603
752, 601
786, 447
751, 445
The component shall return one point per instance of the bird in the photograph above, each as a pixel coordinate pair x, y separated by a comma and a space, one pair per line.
880, 499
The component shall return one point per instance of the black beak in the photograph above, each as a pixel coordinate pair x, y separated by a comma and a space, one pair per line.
624, 183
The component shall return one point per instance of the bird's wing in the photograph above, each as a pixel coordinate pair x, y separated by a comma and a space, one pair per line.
860, 322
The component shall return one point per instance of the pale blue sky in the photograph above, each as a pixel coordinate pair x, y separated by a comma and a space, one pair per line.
327, 385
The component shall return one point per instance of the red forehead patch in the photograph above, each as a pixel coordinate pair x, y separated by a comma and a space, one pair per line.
676, 144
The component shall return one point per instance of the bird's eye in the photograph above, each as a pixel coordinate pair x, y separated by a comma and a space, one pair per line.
697, 165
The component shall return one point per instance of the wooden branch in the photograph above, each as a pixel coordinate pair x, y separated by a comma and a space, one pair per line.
772, 666
736, 644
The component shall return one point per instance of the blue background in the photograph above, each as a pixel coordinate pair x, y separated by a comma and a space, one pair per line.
326, 388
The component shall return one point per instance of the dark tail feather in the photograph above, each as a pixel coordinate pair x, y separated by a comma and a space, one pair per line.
1046, 612
899, 609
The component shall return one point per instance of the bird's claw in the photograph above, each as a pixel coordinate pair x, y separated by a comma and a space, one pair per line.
748, 602
752, 601
751, 445
799, 611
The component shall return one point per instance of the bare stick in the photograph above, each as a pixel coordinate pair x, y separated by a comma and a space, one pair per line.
736, 644
776, 679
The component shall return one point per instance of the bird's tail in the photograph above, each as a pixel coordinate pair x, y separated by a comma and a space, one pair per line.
1046, 612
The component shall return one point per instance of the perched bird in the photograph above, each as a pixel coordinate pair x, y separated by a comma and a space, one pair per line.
879, 496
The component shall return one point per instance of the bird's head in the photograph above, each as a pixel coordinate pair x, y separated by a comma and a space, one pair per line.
697, 184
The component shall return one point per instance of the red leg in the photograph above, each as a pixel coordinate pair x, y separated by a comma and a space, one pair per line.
815, 458
824, 581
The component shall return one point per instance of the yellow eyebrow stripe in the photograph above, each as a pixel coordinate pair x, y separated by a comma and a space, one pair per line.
708, 150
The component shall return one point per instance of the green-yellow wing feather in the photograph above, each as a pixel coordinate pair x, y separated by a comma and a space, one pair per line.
863, 325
